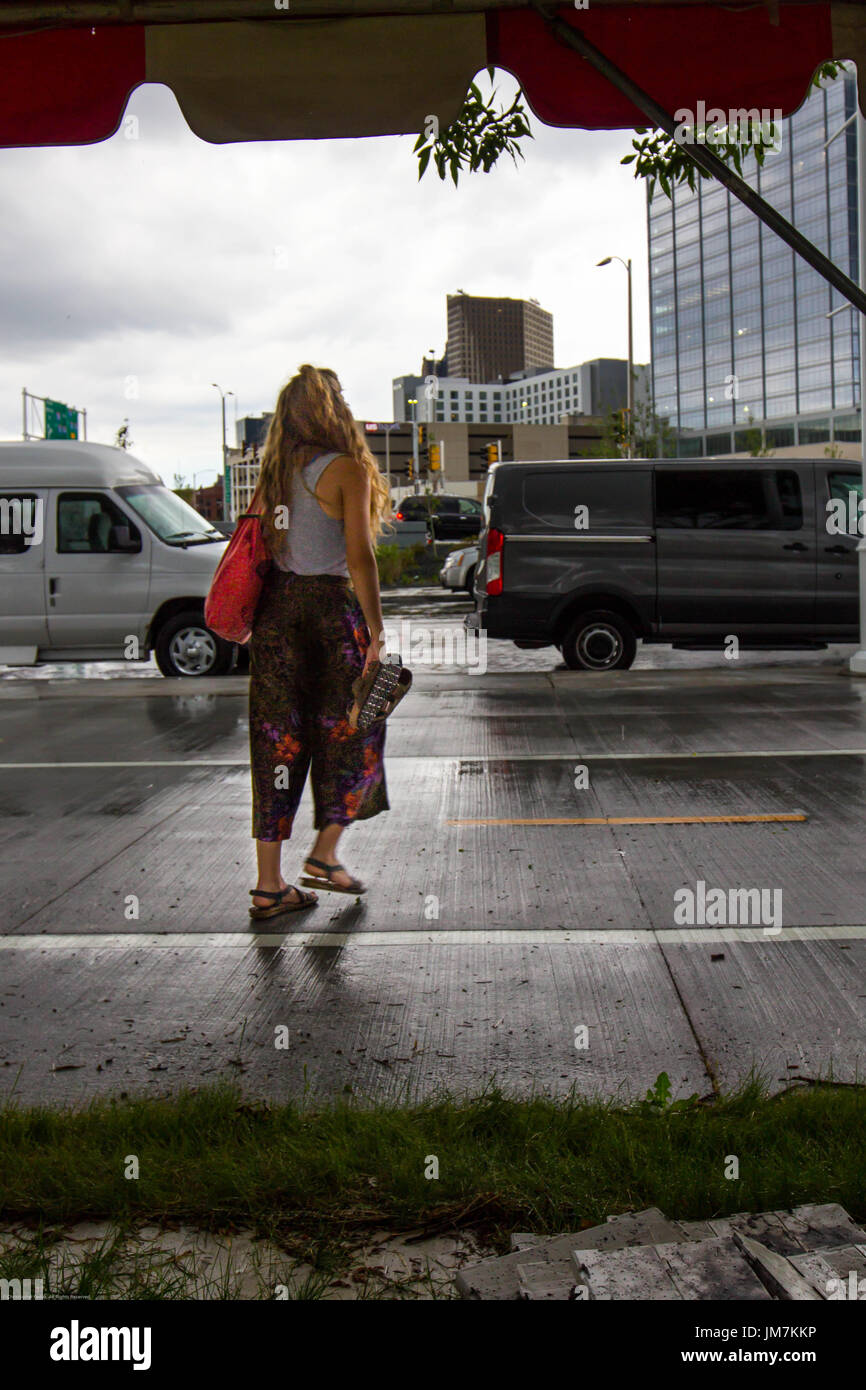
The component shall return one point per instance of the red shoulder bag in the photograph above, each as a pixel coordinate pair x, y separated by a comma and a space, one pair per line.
236, 588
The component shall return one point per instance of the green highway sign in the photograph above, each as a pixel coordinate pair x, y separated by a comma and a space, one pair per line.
61, 421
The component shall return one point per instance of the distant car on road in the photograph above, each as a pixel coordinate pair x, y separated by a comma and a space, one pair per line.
458, 571
448, 517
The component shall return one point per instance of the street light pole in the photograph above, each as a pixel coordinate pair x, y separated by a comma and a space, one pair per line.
630, 383
388, 429
226, 490
416, 467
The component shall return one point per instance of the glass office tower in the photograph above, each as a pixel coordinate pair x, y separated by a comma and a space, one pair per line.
743, 350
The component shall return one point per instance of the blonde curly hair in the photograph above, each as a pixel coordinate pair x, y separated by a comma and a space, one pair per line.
311, 417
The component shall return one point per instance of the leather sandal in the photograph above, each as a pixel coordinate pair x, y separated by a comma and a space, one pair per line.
280, 903
355, 887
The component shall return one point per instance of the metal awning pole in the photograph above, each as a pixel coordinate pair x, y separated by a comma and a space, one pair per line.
705, 158
857, 664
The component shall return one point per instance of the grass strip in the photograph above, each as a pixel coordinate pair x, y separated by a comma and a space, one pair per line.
210, 1158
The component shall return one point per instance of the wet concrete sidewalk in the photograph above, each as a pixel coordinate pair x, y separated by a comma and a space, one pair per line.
500, 940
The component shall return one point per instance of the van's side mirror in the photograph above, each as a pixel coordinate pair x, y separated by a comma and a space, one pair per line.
121, 538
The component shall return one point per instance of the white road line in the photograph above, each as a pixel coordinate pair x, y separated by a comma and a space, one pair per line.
249, 941
571, 752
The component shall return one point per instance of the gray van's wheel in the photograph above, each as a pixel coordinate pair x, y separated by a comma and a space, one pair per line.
599, 641
469, 586
185, 647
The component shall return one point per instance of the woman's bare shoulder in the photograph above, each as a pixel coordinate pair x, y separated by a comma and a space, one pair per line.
348, 469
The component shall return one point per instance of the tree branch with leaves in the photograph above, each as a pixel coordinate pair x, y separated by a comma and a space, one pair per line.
476, 138
480, 134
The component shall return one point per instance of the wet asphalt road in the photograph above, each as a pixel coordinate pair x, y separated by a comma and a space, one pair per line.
545, 956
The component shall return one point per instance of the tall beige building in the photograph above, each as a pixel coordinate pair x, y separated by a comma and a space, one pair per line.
491, 338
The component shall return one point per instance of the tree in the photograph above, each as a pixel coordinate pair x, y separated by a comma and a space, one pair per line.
122, 439
652, 435
755, 444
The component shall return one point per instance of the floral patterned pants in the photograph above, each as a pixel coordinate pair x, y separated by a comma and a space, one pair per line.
308, 645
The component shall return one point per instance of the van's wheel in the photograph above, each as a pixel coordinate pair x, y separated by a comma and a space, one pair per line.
186, 648
599, 641
470, 582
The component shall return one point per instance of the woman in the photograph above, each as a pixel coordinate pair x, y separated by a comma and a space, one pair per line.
322, 502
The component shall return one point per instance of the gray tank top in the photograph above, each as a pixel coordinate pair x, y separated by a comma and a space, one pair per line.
315, 543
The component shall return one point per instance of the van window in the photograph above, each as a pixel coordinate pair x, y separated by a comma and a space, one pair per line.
847, 488
841, 484
613, 497
21, 522
723, 499
86, 523
172, 519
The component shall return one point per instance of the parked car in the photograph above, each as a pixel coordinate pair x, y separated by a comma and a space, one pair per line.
458, 571
592, 555
118, 567
449, 517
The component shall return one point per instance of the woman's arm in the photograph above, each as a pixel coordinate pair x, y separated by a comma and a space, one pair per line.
360, 552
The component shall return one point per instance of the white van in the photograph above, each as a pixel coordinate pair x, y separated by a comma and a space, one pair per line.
100, 561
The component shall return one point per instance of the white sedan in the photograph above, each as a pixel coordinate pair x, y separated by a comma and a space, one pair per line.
458, 571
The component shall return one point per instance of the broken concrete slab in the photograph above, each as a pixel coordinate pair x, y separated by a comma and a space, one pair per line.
499, 1279
806, 1227
776, 1272
702, 1269
549, 1269
834, 1274
541, 1282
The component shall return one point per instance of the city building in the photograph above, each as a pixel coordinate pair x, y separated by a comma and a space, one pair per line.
531, 397
251, 431
747, 351
209, 502
491, 338
242, 475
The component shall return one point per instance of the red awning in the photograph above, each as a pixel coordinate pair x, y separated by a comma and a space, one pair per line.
292, 77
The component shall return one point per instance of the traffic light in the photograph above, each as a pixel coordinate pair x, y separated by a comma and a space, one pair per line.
492, 453
420, 436
433, 458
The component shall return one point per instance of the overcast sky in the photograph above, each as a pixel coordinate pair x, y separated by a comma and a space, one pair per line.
137, 271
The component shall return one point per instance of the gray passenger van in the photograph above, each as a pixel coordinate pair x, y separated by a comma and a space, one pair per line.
99, 560
589, 555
